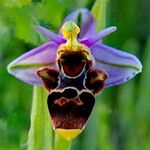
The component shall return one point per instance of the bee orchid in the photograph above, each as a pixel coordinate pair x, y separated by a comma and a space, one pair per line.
74, 66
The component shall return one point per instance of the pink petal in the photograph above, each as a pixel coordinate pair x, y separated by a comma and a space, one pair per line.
52, 36
97, 36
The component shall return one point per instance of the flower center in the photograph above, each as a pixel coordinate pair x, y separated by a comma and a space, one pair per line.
72, 56
70, 31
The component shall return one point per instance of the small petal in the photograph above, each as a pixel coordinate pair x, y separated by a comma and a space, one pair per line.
52, 36
25, 67
98, 36
84, 19
119, 65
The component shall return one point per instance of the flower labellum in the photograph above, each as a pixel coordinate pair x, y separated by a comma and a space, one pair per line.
74, 66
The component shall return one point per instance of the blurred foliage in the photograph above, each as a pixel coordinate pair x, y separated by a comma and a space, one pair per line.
121, 117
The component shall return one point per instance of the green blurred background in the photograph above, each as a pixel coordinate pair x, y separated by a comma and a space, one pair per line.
121, 117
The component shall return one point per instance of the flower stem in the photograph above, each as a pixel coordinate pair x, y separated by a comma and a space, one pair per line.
40, 133
99, 12
61, 144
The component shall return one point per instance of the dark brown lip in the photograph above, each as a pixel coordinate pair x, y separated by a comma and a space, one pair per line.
72, 63
70, 113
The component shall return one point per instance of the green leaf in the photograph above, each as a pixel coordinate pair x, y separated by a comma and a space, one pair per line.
18, 3
99, 12
40, 133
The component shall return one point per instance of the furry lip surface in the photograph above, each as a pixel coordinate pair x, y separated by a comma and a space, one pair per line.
70, 112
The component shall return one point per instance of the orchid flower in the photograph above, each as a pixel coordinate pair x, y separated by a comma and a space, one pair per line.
74, 66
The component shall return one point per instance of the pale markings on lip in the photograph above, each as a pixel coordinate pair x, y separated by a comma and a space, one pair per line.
70, 113
62, 101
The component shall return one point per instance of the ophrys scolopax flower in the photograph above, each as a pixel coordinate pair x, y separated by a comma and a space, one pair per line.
74, 66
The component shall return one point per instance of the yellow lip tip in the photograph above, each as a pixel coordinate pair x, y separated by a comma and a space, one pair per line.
68, 134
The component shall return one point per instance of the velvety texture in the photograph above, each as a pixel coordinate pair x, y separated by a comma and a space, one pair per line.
70, 112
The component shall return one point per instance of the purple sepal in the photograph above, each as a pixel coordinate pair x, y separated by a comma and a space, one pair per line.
25, 67
120, 66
